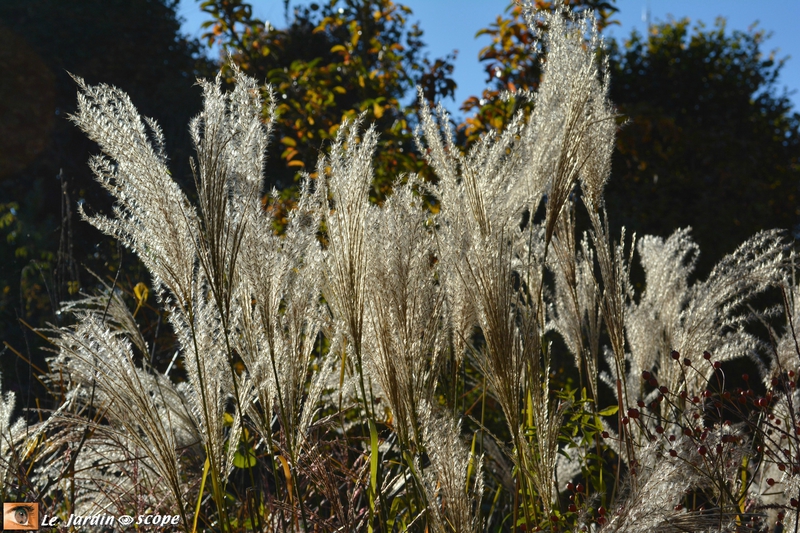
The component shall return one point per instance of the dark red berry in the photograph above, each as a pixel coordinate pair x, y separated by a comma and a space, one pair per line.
687, 362
573, 508
675, 355
717, 365
770, 482
633, 413
659, 430
706, 356
663, 390
702, 450
673, 453
605, 434
570, 487
745, 377
579, 487
646, 375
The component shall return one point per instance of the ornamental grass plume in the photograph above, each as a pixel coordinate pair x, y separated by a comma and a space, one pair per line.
10, 449
405, 314
456, 482
346, 175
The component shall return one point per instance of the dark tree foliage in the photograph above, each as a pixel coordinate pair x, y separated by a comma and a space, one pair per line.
133, 44
335, 59
710, 142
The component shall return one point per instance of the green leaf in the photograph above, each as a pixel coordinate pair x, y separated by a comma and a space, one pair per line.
373, 460
610, 410
242, 461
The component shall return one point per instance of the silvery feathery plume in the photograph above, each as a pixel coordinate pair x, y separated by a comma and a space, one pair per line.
714, 316
192, 255
778, 481
231, 140
404, 314
787, 346
152, 216
786, 352
454, 483
708, 316
578, 316
652, 322
279, 315
209, 393
651, 504
573, 120
486, 200
144, 409
111, 474
110, 308
11, 446
345, 175
112, 312
615, 287
672, 315
477, 221
574, 129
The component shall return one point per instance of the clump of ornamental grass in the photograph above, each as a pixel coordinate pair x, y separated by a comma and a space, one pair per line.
327, 378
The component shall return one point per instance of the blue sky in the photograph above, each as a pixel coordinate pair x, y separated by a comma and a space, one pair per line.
452, 24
